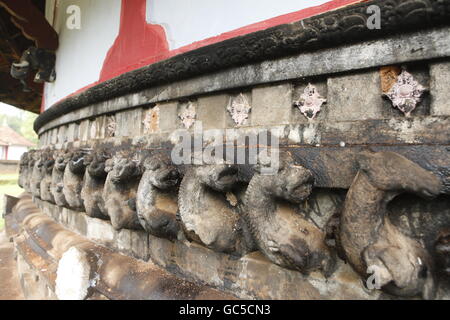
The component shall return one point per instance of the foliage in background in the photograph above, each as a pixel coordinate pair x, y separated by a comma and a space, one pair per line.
23, 124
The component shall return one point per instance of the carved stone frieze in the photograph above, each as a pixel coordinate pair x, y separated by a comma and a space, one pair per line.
371, 242
73, 179
93, 185
203, 194
156, 203
62, 158
46, 181
239, 109
119, 192
111, 126
279, 229
188, 114
310, 102
406, 93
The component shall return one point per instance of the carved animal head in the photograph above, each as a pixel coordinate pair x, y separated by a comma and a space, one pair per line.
220, 177
49, 162
61, 160
165, 174
96, 163
292, 182
122, 169
76, 162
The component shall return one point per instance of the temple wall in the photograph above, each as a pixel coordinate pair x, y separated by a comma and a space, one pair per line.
362, 185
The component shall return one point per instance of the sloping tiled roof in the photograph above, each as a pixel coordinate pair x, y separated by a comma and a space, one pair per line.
9, 137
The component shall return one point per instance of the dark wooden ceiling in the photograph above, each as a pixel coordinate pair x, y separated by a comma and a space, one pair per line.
12, 44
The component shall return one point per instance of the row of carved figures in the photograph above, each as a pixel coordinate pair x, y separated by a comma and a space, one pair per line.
205, 204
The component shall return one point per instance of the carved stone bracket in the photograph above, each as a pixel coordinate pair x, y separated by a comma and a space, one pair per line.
401, 264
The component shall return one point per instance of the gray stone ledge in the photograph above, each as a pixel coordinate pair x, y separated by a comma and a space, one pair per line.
423, 45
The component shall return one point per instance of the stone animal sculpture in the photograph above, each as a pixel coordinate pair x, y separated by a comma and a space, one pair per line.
157, 203
282, 233
372, 244
207, 214
73, 180
120, 191
57, 186
29, 171
37, 174
41, 60
23, 169
46, 182
94, 182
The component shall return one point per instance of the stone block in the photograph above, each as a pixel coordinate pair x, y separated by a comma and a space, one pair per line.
129, 123
168, 116
139, 245
356, 97
272, 105
212, 111
439, 88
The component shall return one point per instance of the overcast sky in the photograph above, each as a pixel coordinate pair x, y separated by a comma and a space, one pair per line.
9, 110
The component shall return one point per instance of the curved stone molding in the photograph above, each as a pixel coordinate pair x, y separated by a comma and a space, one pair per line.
370, 241
94, 182
119, 192
157, 203
57, 186
280, 231
346, 25
73, 180
208, 217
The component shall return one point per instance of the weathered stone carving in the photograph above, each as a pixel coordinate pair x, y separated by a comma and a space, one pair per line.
370, 241
207, 215
32, 156
46, 181
23, 169
151, 120
37, 174
94, 182
57, 185
188, 114
111, 126
406, 93
156, 201
310, 102
280, 231
120, 191
239, 109
73, 180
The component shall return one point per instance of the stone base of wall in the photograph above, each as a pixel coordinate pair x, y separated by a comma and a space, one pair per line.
41, 243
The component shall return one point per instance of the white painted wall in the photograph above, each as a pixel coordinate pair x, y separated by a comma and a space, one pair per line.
81, 53
15, 152
188, 21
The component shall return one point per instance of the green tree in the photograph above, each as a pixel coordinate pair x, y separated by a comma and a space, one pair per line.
26, 128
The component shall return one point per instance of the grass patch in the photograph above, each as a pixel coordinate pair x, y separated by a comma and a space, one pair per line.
11, 189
